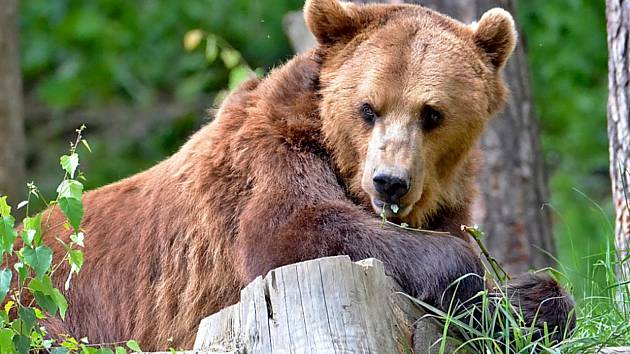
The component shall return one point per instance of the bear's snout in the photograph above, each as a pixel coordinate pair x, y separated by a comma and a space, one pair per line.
391, 188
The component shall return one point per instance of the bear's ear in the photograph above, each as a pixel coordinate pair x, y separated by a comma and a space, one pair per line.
329, 20
495, 33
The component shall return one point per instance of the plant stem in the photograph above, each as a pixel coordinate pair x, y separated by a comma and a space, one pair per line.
477, 234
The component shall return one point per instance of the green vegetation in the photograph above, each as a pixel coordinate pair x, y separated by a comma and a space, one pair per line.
28, 266
566, 43
121, 67
132, 50
602, 318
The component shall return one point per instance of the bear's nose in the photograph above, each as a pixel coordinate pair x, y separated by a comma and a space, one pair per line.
390, 187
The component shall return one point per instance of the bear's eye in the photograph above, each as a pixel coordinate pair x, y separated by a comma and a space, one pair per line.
367, 112
431, 118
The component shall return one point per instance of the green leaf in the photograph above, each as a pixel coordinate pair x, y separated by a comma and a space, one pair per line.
32, 230
38, 313
38, 258
61, 303
88, 350
121, 350
28, 236
230, 57
22, 271
17, 326
70, 163
5, 283
43, 285
8, 306
6, 340
133, 345
70, 189
86, 144
70, 342
49, 298
105, 351
7, 234
238, 75
5, 209
27, 315
73, 209
212, 49
76, 260
69, 193
46, 302
22, 344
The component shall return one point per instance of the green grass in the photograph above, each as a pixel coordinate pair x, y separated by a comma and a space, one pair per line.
604, 315
602, 318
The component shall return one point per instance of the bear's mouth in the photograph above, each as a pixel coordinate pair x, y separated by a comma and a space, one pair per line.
389, 210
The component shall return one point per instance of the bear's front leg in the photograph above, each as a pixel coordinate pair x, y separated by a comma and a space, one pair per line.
424, 265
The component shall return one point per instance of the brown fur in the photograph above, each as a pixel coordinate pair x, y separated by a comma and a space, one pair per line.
277, 177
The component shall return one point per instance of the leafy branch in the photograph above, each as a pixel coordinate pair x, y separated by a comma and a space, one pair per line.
27, 266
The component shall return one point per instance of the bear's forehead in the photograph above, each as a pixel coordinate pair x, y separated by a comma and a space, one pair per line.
414, 41
415, 60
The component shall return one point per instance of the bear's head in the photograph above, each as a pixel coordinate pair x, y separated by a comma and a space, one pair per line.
405, 95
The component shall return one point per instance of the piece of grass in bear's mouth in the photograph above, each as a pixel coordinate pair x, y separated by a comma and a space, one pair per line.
403, 225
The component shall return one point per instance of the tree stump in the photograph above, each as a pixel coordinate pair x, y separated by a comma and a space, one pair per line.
327, 305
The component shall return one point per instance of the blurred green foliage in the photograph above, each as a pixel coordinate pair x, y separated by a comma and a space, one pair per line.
115, 63
88, 55
566, 43
92, 52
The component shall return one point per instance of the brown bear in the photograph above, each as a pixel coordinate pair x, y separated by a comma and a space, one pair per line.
381, 117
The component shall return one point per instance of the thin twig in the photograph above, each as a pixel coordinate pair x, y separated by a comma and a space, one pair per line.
496, 267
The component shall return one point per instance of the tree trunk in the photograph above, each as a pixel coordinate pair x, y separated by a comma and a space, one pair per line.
514, 187
11, 120
618, 16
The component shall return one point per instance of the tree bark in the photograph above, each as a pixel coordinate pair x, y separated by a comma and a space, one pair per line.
11, 119
618, 17
513, 184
